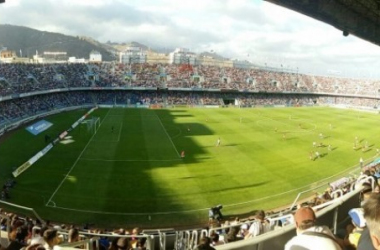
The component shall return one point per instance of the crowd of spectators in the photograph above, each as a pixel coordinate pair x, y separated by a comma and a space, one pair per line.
28, 233
25, 78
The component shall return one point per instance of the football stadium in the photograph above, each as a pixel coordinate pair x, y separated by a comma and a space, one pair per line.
185, 154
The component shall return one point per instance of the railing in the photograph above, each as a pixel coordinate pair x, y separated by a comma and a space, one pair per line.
329, 214
23, 210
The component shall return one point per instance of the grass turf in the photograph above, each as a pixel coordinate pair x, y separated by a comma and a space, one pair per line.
134, 175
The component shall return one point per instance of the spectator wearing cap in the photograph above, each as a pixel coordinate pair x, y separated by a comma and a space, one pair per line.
357, 218
309, 235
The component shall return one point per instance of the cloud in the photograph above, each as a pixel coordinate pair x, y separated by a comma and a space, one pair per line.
252, 30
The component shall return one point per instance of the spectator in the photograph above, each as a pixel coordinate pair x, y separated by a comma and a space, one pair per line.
37, 237
215, 239
140, 244
372, 217
365, 241
205, 244
51, 238
359, 223
104, 242
18, 237
309, 235
123, 244
259, 225
243, 233
232, 234
73, 235
365, 193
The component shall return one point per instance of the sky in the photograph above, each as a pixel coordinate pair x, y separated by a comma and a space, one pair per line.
253, 30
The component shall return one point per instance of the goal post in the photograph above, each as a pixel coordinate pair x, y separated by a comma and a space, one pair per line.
92, 124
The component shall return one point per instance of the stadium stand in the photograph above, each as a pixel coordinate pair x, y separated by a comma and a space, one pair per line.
28, 91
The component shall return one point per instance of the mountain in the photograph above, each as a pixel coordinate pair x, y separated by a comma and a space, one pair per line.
27, 42
30, 41
123, 46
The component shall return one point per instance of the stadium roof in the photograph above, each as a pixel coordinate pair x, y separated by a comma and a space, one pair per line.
357, 17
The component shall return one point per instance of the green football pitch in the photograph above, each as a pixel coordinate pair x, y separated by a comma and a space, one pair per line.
130, 172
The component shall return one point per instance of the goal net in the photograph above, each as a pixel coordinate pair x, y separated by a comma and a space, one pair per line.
92, 124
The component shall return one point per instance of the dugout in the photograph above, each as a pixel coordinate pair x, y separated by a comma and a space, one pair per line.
229, 97
229, 101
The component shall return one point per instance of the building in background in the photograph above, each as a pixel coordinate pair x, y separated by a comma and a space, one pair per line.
153, 57
183, 56
217, 62
55, 56
132, 54
95, 57
7, 56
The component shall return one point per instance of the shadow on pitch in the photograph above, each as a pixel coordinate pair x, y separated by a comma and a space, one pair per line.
323, 155
199, 176
291, 138
241, 187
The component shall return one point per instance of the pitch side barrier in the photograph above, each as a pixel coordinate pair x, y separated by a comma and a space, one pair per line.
357, 108
90, 241
331, 214
45, 150
17, 123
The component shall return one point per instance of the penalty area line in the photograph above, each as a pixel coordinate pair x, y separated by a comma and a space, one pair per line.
72, 167
170, 139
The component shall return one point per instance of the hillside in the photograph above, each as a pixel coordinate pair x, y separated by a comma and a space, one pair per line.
30, 41
123, 46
